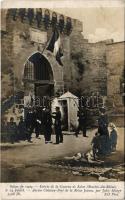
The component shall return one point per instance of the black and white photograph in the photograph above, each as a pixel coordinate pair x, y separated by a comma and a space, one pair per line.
62, 92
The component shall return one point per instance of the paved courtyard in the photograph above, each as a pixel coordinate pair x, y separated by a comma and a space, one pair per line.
29, 161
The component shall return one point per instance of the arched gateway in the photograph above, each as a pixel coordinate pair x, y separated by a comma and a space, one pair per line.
43, 76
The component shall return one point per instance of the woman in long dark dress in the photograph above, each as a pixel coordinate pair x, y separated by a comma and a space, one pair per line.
104, 133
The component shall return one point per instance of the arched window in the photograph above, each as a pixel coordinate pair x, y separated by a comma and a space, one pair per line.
29, 70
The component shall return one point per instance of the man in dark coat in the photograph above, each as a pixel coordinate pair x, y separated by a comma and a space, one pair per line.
57, 116
103, 123
30, 15
22, 12
39, 17
12, 130
22, 130
14, 13
82, 119
37, 122
54, 20
3, 125
95, 144
68, 26
30, 123
48, 126
61, 23
46, 19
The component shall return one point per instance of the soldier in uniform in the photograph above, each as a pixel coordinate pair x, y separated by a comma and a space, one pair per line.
46, 19
68, 26
22, 12
43, 120
57, 116
37, 124
30, 15
14, 12
54, 20
30, 123
48, 126
39, 17
103, 122
61, 23
82, 119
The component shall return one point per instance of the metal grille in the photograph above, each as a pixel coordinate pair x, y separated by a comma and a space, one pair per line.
29, 70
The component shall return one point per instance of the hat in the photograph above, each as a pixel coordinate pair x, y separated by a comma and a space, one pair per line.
102, 109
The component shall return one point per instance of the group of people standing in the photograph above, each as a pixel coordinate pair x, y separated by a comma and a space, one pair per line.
36, 121
41, 120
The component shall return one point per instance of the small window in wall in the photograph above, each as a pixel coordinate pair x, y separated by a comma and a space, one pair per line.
29, 71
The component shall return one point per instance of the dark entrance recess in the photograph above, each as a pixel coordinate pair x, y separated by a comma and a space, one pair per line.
39, 71
43, 89
42, 68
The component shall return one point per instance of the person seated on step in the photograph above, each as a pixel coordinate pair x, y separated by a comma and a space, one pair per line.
95, 144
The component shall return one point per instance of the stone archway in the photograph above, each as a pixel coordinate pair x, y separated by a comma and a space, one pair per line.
57, 71
42, 74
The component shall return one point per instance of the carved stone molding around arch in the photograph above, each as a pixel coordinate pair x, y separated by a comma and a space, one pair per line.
56, 69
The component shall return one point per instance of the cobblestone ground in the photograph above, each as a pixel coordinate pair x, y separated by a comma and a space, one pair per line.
25, 162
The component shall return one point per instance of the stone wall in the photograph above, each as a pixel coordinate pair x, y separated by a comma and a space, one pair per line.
89, 72
7, 78
17, 47
87, 67
115, 76
83, 68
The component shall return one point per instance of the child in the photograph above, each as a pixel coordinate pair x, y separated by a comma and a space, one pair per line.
95, 145
113, 137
